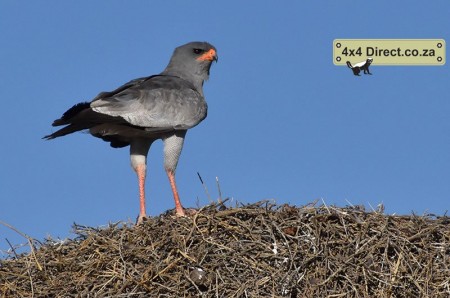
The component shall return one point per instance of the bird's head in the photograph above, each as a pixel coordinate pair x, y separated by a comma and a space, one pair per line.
192, 61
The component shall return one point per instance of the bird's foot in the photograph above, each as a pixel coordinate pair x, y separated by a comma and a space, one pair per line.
188, 212
141, 218
179, 212
185, 212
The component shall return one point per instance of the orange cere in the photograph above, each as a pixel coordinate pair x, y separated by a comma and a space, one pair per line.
210, 55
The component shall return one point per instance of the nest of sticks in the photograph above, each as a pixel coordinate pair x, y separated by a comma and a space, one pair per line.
258, 250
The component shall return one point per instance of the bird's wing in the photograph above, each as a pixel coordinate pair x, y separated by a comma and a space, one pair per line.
156, 103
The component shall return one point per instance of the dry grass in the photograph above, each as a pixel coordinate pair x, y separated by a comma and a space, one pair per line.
259, 250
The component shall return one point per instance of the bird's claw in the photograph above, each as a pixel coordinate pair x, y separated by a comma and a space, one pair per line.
141, 218
187, 212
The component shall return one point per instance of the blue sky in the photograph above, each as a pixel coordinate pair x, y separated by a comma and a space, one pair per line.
283, 123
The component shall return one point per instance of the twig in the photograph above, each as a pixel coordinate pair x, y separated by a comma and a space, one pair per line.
323, 201
29, 239
12, 248
204, 186
218, 188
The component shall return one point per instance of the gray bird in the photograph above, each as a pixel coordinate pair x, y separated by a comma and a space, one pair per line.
162, 106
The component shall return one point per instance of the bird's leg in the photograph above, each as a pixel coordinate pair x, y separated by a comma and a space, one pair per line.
138, 154
179, 209
172, 149
141, 170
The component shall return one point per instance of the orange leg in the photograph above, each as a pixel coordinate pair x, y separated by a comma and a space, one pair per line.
176, 197
140, 171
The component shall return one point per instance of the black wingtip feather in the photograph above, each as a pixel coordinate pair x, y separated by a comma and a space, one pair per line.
48, 137
71, 113
65, 131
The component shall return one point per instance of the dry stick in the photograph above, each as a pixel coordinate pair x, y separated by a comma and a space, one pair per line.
348, 202
32, 249
12, 248
394, 273
371, 207
29, 239
204, 186
28, 269
323, 201
31, 280
124, 273
166, 268
218, 188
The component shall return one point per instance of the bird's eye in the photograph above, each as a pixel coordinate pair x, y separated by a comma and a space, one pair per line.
198, 51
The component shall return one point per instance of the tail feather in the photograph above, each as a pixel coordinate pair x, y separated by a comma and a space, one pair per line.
70, 113
69, 119
71, 128
81, 117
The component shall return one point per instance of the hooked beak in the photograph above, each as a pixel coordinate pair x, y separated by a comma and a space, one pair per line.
211, 55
